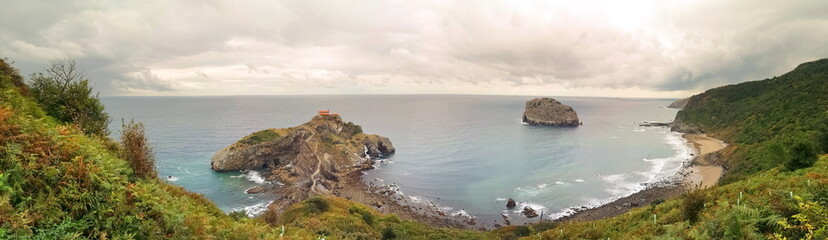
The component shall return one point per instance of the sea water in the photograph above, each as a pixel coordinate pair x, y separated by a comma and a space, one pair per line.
466, 154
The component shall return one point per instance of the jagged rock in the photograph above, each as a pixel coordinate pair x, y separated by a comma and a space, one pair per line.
256, 190
377, 146
529, 212
506, 219
548, 111
511, 203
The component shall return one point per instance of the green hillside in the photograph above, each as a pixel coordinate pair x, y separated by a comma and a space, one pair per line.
776, 186
764, 119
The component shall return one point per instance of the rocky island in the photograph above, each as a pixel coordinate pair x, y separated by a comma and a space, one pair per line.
548, 111
309, 159
325, 156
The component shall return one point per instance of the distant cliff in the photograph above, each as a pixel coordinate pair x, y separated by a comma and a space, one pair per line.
679, 104
548, 111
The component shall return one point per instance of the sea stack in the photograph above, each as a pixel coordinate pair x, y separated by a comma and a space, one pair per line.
550, 112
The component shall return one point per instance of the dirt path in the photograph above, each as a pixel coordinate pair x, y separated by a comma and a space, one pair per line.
315, 176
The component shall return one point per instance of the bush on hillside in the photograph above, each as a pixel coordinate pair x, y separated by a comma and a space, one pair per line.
135, 149
10, 75
802, 154
64, 92
692, 204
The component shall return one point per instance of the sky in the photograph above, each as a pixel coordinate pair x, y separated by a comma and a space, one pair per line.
610, 48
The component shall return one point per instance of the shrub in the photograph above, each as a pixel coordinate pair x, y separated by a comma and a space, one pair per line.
135, 149
351, 129
802, 154
317, 205
693, 203
522, 231
65, 94
388, 233
366, 216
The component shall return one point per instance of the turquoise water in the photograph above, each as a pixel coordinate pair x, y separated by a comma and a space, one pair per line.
464, 153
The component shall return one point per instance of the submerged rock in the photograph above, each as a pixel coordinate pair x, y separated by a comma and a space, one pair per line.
256, 190
548, 111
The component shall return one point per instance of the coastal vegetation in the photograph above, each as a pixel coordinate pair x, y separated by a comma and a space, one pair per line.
777, 121
62, 179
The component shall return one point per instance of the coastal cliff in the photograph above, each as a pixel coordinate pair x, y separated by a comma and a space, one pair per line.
679, 104
548, 111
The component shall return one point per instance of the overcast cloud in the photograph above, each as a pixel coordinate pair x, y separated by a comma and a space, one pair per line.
598, 48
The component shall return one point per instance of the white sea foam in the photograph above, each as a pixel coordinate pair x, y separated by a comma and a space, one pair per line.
559, 182
256, 209
253, 176
172, 179
638, 130
542, 185
579, 180
462, 213
416, 199
500, 199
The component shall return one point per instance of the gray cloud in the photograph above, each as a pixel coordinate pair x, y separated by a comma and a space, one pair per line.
495, 47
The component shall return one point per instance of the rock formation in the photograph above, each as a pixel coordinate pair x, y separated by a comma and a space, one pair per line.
324, 136
511, 203
548, 111
309, 159
529, 212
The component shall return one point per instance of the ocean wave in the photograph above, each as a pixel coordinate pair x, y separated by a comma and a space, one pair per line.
559, 182
542, 185
171, 178
500, 199
579, 180
256, 209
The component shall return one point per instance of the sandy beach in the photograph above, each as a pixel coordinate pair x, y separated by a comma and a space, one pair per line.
703, 174
700, 174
